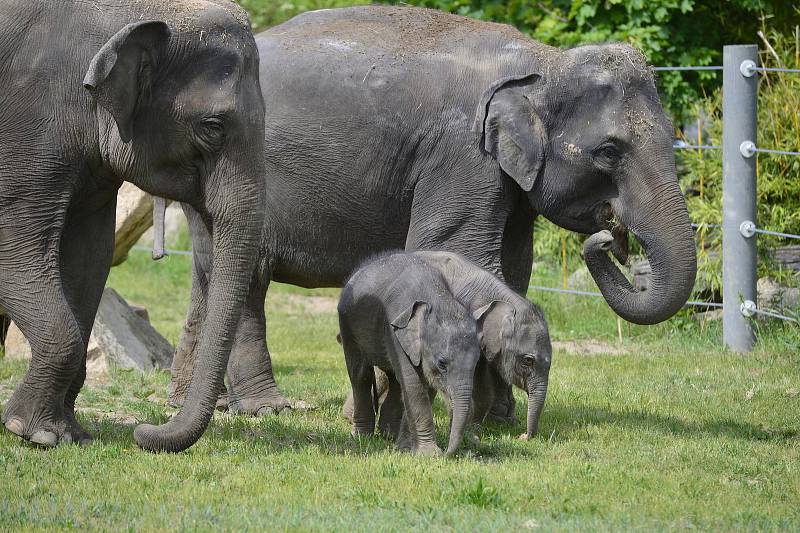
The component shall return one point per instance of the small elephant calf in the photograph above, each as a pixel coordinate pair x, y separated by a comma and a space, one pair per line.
396, 313
515, 344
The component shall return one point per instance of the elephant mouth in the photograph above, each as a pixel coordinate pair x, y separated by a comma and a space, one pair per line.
608, 220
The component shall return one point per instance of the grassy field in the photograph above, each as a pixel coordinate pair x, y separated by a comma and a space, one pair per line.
668, 432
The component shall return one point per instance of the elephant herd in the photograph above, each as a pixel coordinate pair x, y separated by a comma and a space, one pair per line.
402, 153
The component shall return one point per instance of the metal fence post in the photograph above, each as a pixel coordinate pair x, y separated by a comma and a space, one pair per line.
739, 101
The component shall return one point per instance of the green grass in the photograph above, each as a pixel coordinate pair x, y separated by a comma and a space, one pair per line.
674, 434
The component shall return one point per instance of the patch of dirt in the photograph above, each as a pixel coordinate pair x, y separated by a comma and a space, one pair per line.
295, 303
589, 347
120, 417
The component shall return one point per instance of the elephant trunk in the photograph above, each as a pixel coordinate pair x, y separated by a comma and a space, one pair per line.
537, 392
459, 417
663, 228
236, 232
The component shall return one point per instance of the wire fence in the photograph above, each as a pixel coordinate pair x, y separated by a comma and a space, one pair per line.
739, 267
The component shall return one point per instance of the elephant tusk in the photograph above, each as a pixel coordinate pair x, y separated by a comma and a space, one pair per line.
159, 209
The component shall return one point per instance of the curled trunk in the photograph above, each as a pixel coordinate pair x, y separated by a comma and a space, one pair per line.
665, 233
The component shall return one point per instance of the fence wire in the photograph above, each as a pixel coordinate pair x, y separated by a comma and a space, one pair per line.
773, 314
140, 248
769, 69
709, 67
779, 152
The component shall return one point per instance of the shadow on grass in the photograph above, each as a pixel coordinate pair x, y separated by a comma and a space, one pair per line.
570, 423
560, 423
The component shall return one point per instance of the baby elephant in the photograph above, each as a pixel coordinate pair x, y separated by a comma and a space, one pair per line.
396, 313
514, 340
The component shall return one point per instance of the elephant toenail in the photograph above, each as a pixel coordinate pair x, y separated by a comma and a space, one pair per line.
15, 426
286, 411
45, 438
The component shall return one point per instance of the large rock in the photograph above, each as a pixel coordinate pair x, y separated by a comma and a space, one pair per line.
134, 217
126, 339
16, 346
120, 337
787, 256
775, 297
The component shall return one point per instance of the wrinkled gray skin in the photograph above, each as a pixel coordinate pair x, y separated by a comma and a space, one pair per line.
512, 333
162, 94
396, 313
394, 127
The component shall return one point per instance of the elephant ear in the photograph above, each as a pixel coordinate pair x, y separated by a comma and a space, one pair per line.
495, 324
408, 327
510, 131
120, 76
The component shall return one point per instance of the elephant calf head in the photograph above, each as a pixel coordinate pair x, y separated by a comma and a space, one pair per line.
515, 340
444, 346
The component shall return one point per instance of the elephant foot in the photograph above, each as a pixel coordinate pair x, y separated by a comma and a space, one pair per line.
429, 449
502, 412
272, 403
76, 430
222, 402
357, 432
41, 424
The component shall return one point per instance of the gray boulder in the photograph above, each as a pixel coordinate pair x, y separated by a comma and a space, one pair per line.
122, 336
125, 339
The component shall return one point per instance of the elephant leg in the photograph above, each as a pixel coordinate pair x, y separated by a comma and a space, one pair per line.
382, 386
517, 262
251, 384
418, 432
183, 359
391, 411
503, 406
483, 229
87, 249
483, 392
361, 376
53, 298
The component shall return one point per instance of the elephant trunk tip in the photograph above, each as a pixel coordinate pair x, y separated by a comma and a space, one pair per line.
164, 438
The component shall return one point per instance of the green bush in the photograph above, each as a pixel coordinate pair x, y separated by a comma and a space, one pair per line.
267, 13
778, 196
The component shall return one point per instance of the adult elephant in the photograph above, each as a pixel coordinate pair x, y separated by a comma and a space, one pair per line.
162, 94
395, 127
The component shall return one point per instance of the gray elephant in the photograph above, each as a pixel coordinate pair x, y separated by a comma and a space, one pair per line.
395, 127
396, 313
512, 331
164, 94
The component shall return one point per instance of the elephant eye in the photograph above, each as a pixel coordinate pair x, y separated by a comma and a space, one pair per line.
212, 132
528, 359
607, 155
441, 363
